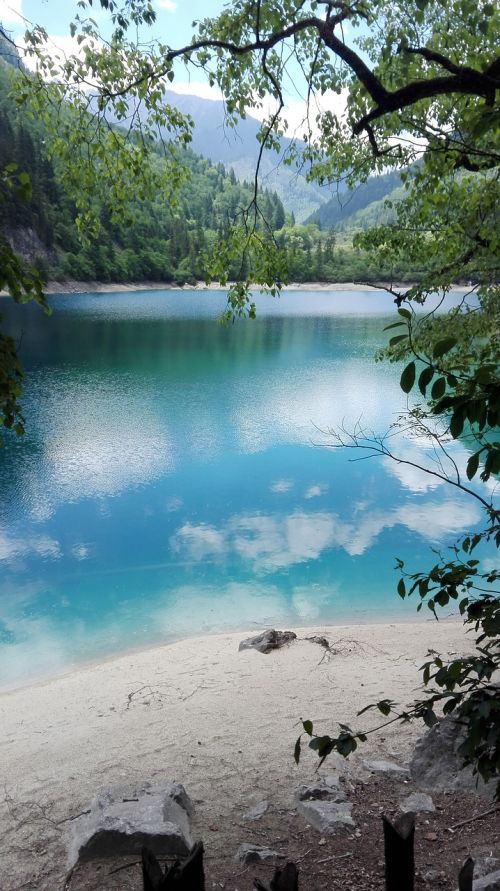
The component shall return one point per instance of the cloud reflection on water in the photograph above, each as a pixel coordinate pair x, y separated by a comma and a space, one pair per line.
271, 542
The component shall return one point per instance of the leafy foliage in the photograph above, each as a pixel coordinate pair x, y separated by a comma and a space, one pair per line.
21, 284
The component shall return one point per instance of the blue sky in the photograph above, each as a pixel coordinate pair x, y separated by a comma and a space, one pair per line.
174, 17
173, 26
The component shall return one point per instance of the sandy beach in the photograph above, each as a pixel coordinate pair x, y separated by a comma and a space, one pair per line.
77, 287
197, 711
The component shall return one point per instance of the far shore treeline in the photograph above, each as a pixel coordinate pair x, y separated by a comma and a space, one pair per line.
166, 244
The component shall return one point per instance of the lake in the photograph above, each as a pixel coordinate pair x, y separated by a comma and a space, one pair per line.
176, 477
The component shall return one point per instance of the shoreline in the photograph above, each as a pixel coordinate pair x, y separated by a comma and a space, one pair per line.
198, 711
77, 287
98, 661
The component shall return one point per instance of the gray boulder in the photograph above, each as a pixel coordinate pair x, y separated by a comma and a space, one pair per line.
326, 789
484, 865
326, 816
417, 803
267, 641
491, 882
248, 854
388, 768
124, 818
436, 763
257, 811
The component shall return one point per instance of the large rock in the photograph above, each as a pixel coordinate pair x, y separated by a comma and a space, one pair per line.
387, 768
124, 818
491, 882
436, 763
417, 803
326, 816
249, 853
267, 641
257, 811
484, 865
325, 789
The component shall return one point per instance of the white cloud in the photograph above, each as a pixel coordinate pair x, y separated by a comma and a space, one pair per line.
416, 479
42, 545
82, 458
11, 12
491, 564
58, 47
436, 522
294, 113
199, 541
174, 503
316, 491
281, 486
196, 88
301, 121
80, 551
270, 542
167, 5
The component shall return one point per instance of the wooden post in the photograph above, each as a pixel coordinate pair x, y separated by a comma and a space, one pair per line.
466, 875
286, 879
185, 876
399, 839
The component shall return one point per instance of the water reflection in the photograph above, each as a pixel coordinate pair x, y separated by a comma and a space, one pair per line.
269, 542
170, 480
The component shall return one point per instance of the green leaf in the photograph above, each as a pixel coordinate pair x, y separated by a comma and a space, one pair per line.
399, 337
438, 388
408, 378
444, 346
394, 325
308, 727
402, 589
457, 424
405, 313
430, 718
472, 465
296, 751
425, 378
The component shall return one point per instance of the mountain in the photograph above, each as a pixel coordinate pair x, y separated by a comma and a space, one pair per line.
345, 210
239, 148
164, 243
8, 52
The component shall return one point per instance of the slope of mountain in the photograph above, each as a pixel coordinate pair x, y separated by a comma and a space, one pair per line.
345, 209
164, 243
7, 51
238, 148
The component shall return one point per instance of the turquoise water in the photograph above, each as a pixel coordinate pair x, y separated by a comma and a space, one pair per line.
175, 477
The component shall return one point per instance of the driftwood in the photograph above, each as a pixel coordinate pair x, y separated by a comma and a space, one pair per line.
186, 876
286, 879
399, 839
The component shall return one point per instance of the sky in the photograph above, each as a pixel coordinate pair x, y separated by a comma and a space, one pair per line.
174, 17
174, 26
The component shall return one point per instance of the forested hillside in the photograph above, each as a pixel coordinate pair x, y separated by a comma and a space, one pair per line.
239, 148
167, 243
344, 208
164, 243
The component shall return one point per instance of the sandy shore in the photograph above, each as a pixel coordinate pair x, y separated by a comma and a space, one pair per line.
198, 711
74, 287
